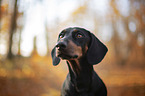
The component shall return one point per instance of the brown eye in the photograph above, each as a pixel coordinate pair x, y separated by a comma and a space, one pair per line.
79, 35
61, 36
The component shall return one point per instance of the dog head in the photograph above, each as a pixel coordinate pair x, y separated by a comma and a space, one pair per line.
74, 43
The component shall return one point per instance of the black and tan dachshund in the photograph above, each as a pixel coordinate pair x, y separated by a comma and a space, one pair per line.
81, 50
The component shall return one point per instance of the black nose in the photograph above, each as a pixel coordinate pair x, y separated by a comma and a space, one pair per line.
61, 45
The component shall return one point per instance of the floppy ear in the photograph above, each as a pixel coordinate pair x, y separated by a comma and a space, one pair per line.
55, 59
96, 51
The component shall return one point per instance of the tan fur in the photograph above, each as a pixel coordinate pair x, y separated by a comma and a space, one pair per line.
73, 49
75, 30
75, 66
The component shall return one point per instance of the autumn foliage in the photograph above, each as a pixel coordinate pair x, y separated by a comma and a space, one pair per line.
26, 42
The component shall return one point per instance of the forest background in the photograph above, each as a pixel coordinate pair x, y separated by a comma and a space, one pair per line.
29, 30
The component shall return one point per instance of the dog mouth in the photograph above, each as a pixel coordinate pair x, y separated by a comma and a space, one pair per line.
65, 55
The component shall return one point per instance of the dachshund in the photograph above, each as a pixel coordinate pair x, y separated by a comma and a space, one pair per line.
81, 49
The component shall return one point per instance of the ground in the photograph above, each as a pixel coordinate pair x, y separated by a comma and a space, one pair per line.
36, 76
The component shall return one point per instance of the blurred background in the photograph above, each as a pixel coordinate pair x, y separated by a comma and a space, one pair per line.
29, 30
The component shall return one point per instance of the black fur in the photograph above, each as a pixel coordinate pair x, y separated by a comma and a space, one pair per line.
81, 80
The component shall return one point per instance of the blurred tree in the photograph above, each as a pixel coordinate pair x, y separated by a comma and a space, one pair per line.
34, 46
12, 28
132, 24
19, 42
0, 8
127, 37
0, 14
117, 42
47, 38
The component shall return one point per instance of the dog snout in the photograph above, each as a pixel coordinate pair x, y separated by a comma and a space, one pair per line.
61, 45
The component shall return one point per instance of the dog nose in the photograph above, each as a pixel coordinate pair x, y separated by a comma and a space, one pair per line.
61, 45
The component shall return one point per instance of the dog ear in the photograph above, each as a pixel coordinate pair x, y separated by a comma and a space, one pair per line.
96, 51
55, 59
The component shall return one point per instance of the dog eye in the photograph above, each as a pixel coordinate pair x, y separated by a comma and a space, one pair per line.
61, 36
79, 35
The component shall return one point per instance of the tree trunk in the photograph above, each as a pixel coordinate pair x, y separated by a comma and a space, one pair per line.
19, 43
0, 14
12, 29
47, 38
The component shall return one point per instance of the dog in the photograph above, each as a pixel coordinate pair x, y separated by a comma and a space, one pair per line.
81, 49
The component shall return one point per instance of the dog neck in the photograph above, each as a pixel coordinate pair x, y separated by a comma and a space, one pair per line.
80, 73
